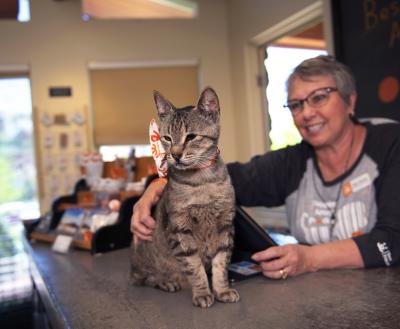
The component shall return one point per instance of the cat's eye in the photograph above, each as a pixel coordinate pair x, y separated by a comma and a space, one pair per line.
167, 138
190, 137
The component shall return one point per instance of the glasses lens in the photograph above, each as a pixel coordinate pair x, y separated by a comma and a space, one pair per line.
319, 98
294, 106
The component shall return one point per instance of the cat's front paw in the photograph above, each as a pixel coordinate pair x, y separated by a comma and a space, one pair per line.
227, 296
203, 301
170, 286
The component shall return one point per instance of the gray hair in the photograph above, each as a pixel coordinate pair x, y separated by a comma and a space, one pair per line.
325, 65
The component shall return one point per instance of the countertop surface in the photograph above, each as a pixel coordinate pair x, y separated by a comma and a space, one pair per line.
93, 292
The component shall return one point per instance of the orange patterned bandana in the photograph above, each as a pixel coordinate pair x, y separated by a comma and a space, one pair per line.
157, 150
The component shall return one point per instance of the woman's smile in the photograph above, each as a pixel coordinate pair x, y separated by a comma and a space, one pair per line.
314, 128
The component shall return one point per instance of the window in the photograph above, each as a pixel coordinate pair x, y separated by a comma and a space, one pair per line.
18, 193
123, 103
24, 13
112, 152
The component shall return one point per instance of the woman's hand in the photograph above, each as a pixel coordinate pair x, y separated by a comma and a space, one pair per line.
289, 260
295, 259
142, 224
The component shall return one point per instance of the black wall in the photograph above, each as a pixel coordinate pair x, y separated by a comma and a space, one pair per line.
367, 38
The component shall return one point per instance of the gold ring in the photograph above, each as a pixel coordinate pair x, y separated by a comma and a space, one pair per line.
284, 274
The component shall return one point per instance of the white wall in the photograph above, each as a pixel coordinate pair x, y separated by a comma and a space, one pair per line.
57, 44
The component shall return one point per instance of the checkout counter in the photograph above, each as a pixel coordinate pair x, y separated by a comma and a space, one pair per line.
40, 288
86, 291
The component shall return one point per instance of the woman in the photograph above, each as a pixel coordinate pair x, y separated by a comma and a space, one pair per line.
338, 185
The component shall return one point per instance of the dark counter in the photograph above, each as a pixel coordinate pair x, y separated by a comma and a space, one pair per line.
94, 292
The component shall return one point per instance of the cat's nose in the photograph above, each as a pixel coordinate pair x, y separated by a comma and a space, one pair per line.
176, 157
176, 152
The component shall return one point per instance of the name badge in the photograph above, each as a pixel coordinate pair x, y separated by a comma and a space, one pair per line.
356, 184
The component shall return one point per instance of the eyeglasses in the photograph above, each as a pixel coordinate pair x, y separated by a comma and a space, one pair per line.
316, 98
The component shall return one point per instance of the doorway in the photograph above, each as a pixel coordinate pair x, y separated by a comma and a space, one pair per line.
18, 175
281, 57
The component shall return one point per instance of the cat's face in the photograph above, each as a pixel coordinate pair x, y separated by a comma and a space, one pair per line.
190, 134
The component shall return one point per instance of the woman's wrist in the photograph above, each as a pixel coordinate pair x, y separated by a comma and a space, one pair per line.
336, 254
162, 180
312, 259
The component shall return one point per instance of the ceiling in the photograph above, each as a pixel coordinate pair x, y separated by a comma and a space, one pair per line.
311, 37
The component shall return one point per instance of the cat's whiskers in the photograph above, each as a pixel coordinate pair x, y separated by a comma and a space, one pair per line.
193, 160
203, 161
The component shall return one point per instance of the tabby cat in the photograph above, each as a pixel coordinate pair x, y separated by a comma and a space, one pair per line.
194, 231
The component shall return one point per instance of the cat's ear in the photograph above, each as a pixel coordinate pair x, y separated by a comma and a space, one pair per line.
163, 106
208, 101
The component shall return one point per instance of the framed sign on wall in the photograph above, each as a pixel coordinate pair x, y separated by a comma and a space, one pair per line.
367, 39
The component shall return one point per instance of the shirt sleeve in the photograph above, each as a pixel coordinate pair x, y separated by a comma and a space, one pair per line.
381, 246
266, 180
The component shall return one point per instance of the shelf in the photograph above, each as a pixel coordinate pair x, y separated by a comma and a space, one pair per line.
50, 237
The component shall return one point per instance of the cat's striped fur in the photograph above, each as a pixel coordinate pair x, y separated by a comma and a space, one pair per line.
194, 231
